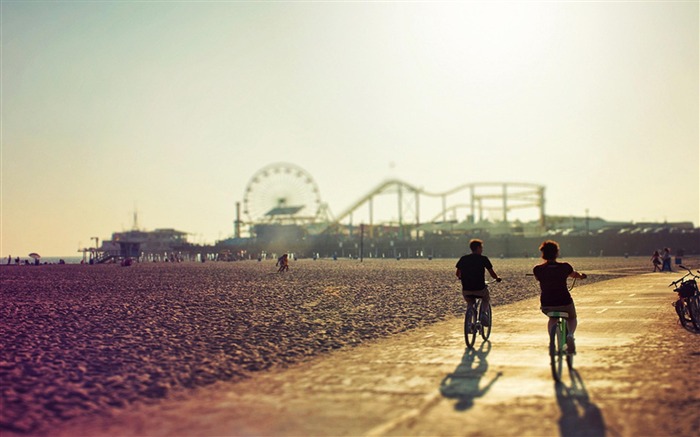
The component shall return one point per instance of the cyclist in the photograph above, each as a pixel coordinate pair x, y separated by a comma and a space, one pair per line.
555, 294
471, 269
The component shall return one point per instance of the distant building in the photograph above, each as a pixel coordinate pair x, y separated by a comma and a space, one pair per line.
157, 244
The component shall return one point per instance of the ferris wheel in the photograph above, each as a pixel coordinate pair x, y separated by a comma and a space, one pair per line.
281, 193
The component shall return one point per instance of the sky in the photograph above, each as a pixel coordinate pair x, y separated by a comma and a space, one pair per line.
170, 108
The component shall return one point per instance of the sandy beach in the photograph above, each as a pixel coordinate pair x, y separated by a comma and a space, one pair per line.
79, 340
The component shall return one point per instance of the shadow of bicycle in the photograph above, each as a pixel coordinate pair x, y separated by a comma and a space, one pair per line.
464, 383
579, 416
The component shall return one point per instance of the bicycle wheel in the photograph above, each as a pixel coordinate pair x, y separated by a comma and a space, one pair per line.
486, 320
694, 310
682, 311
556, 352
470, 326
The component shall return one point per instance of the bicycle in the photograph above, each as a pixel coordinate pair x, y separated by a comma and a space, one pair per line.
688, 303
474, 325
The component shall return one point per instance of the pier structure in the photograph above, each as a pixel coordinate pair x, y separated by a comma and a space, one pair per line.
283, 212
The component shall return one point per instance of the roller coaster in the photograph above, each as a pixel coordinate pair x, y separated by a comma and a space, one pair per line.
490, 196
285, 194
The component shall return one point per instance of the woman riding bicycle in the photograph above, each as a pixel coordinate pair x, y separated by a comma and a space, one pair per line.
555, 294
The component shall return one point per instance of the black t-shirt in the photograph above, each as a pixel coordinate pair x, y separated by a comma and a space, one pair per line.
552, 277
472, 268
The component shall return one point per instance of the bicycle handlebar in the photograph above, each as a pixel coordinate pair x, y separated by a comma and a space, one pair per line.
690, 273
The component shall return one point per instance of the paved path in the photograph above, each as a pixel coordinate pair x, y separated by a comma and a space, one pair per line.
634, 376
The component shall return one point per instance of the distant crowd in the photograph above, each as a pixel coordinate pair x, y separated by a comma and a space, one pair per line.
34, 261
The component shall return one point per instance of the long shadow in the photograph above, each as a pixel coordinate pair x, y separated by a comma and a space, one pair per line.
463, 384
579, 416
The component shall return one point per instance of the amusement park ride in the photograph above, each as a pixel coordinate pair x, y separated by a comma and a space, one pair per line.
285, 194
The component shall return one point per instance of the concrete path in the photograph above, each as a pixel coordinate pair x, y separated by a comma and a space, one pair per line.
636, 375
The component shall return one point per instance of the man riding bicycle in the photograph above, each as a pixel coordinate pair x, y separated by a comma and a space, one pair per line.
470, 270
555, 294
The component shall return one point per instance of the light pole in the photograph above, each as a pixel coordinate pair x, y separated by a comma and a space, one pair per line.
362, 240
97, 240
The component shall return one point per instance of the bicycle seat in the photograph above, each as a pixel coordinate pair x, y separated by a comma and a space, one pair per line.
558, 314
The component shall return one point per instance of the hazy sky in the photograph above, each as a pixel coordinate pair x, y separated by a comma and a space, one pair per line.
171, 107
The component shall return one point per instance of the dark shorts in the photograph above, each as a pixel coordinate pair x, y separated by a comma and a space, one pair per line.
476, 293
571, 309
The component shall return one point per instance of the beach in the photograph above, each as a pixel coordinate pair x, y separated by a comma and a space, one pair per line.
81, 340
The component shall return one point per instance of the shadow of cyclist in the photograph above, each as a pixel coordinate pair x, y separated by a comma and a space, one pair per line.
579, 416
463, 383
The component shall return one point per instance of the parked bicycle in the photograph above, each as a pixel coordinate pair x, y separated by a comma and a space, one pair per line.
688, 303
477, 320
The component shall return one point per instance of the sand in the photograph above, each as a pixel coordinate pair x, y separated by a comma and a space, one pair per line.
77, 340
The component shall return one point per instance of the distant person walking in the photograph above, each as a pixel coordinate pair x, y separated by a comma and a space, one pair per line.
666, 259
656, 260
283, 263
9, 259
555, 295
471, 269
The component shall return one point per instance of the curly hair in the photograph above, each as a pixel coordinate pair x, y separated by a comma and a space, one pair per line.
549, 249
